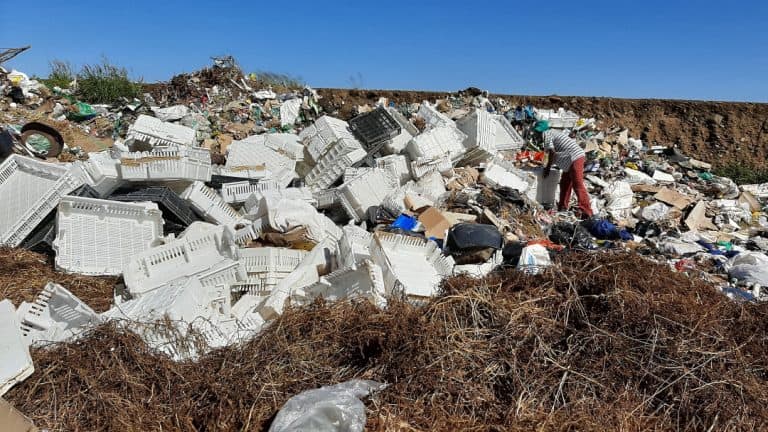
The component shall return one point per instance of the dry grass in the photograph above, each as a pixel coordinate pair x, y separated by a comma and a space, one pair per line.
603, 342
23, 274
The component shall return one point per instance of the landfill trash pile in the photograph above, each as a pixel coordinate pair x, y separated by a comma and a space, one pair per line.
223, 207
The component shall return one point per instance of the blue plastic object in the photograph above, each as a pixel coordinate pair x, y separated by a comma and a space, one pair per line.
405, 222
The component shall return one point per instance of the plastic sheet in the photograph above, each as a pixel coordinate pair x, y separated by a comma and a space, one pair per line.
335, 408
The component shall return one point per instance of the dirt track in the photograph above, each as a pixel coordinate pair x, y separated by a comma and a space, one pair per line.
718, 132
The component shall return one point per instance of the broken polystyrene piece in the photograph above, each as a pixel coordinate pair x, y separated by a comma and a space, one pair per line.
364, 192
266, 267
289, 111
198, 249
662, 177
210, 205
155, 132
654, 212
437, 142
534, 259
56, 315
171, 113
620, 199
167, 163
411, 266
638, 177
29, 191
99, 237
354, 246
15, 362
238, 192
396, 166
364, 281
334, 408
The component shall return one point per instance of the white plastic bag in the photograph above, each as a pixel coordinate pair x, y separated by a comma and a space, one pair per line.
533, 259
334, 408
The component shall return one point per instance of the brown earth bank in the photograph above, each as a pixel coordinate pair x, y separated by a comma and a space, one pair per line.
717, 132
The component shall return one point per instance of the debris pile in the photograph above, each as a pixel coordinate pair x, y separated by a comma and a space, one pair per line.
223, 239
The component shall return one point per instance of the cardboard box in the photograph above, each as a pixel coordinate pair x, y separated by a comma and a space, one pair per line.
11, 420
435, 223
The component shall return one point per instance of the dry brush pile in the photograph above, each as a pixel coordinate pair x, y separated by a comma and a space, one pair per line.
601, 342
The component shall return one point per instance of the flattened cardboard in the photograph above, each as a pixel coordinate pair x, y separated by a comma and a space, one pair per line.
435, 223
673, 198
11, 420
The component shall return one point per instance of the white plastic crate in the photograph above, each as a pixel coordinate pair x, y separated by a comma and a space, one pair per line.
300, 193
560, 119
331, 166
326, 198
238, 192
29, 190
487, 134
56, 315
397, 144
244, 173
201, 247
210, 204
354, 246
324, 134
507, 137
437, 142
103, 172
266, 267
287, 144
15, 362
352, 173
410, 265
365, 281
363, 192
422, 167
396, 166
98, 237
167, 163
433, 117
253, 154
155, 132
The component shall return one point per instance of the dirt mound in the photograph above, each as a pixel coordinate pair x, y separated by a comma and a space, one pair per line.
23, 274
602, 342
717, 132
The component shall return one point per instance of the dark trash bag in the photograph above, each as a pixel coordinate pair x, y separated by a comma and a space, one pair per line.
512, 252
570, 235
466, 237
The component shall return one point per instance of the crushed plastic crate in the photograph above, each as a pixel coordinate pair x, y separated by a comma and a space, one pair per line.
365, 281
354, 246
433, 117
502, 173
331, 167
326, 198
424, 166
437, 142
55, 316
284, 143
254, 154
410, 265
396, 166
29, 191
326, 133
485, 135
155, 132
173, 207
103, 172
560, 119
210, 205
221, 175
407, 131
266, 267
238, 192
167, 163
298, 193
41, 239
363, 192
375, 126
15, 362
98, 237
198, 249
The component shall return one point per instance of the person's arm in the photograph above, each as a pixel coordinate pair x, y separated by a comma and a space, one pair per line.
550, 161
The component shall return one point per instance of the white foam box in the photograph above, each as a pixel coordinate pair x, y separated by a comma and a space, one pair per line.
15, 362
156, 132
98, 237
411, 266
365, 191
167, 163
55, 316
29, 190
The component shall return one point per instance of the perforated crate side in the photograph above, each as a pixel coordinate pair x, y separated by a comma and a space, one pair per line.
210, 204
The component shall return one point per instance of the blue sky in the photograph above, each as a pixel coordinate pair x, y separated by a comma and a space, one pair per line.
673, 49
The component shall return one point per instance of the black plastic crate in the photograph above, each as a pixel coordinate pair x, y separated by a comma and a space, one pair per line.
375, 126
41, 238
173, 207
218, 180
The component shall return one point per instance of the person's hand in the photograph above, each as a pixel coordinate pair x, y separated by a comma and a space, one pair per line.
546, 171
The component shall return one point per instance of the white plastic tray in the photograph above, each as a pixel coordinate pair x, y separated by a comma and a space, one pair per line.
365, 191
410, 265
156, 132
437, 142
396, 166
331, 166
15, 362
266, 267
29, 190
98, 237
210, 204
238, 192
365, 281
55, 316
167, 163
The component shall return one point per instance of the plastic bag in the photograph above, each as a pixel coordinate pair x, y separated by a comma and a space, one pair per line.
334, 408
533, 259
570, 235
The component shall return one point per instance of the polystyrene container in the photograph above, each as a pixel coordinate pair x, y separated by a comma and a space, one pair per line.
210, 205
238, 192
363, 192
410, 265
167, 163
98, 237
16, 364
29, 191
201, 247
155, 132
55, 315
560, 119
547, 189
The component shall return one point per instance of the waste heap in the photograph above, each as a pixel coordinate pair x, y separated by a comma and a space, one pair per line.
215, 232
